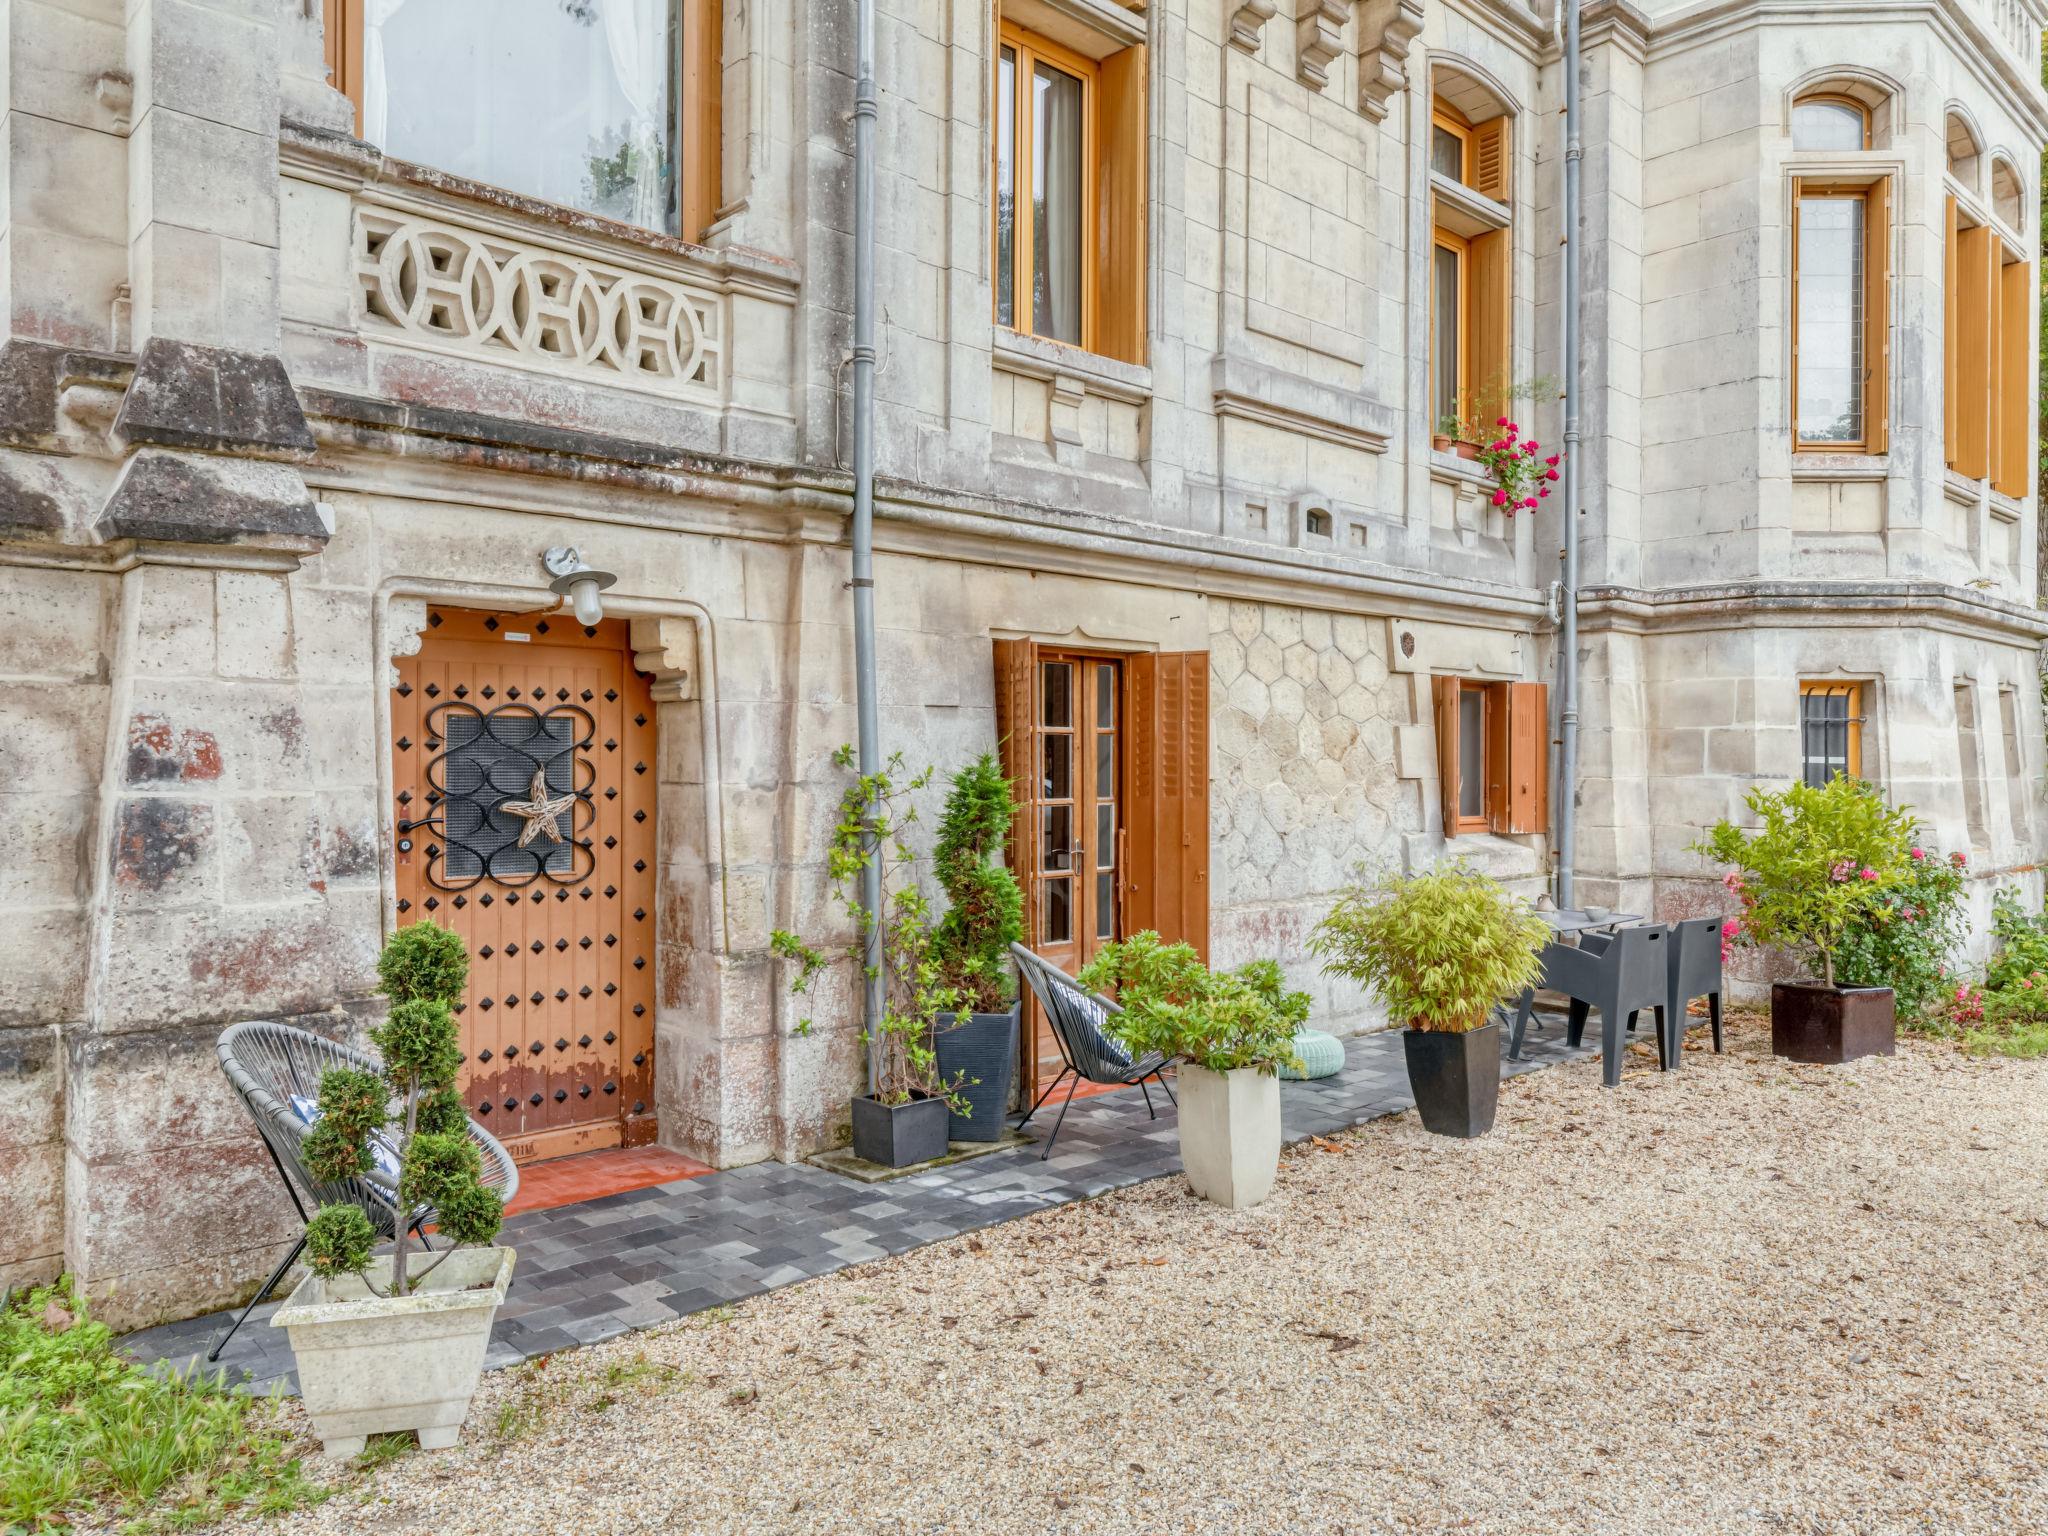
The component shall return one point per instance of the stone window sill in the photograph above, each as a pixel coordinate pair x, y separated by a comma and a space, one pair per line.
1807, 465
1035, 357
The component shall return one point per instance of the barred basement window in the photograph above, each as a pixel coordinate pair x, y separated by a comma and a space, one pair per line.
1830, 731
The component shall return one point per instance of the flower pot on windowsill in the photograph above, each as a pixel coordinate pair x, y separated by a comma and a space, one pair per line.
897, 1135
1455, 1077
374, 1365
1814, 1022
979, 1053
1229, 1133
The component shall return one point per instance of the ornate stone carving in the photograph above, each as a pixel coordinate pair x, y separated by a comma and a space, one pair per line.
454, 290
1319, 38
1248, 21
1386, 29
666, 650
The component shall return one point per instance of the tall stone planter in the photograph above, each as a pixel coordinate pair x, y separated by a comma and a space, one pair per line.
1814, 1022
981, 1053
1229, 1133
374, 1365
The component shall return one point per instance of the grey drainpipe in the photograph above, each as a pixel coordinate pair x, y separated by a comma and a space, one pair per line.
865, 112
1566, 798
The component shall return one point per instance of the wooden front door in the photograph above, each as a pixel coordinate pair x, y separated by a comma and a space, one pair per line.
523, 764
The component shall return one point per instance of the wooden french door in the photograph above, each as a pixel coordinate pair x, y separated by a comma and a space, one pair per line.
523, 765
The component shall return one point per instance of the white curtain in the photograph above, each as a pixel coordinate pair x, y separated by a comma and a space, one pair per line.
637, 32
377, 14
1056, 308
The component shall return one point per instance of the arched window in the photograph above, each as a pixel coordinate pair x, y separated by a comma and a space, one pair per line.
2008, 193
1471, 254
1963, 150
1829, 121
1841, 276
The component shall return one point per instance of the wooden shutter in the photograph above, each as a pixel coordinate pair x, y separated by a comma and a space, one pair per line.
1951, 378
1166, 854
342, 44
703, 72
1017, 748
1446, 700
1490, 165
1976, 250
1121, 196
1522, 746
1488, 264
2009, 468
1877, 315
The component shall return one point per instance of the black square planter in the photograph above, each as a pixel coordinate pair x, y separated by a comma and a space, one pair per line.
1814, 1022
1455, 1078
897, 1135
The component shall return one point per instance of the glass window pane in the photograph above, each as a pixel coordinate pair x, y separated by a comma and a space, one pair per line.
1059, 911
1830, 319
1105, 694
1826, 125
569, 100
1006, 188
1471, 752
1057, 822
1446, 152
1105, 762
1056, 204
1105, 836
1059, 768
1444, 359
1056, 683
1105, 906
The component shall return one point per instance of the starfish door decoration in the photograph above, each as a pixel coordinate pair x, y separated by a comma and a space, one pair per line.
539, 811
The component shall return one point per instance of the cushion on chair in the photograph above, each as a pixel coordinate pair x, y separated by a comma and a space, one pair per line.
1321, 1055
383, 1150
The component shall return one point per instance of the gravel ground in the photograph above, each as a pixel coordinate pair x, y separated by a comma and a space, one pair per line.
1746, 1297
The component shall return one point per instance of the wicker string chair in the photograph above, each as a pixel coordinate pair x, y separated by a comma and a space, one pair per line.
267, 1064
1090, 1055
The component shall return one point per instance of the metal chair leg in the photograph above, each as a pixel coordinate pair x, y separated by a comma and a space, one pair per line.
1165, 1087
1049, 1092
1055, 1136
269, 1285
1149, 1110
1714, 1012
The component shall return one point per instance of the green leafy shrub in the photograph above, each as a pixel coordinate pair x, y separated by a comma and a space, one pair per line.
422, 968
86, 1432
1907, 944
986, 917
875, 815
1174, 1004
2022, 941
1822, 863
1441, 948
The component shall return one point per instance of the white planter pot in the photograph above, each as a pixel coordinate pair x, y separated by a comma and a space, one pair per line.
374, 1365
1229, 1133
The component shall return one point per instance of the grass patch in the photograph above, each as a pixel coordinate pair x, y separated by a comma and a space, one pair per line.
85, 1430
2026, 1040
542, 1389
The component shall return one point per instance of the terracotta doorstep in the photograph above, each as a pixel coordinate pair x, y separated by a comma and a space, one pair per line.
589, 1175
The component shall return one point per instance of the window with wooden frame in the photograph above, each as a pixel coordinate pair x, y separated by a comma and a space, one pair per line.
1493, 755
1068, 193
1471, 261
1108, 758
1841, 307
1830, 120
1830, 731
609, 106
1986, 353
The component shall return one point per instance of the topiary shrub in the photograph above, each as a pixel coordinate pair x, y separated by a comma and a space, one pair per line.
972, 944
422, 970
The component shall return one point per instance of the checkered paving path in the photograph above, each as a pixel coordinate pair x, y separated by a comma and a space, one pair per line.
636, 1260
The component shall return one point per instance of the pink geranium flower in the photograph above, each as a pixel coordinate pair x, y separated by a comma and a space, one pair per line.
1918, 853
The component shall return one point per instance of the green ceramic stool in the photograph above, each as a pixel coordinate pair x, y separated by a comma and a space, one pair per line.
1321, 1055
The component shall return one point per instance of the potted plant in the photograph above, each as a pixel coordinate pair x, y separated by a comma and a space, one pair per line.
396, 1342
1441, 948
1231, 1033
1822, 864
977, 1045
903, 1119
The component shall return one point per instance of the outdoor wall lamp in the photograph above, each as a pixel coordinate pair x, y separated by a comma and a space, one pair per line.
580, 583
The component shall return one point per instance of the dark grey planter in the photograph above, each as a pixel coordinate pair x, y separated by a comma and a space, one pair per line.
897, 1135
984, 1048
1455, 1078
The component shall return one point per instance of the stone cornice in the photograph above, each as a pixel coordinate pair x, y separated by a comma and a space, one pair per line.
1812, 605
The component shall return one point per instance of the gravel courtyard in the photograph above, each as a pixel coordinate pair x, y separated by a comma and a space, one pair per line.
1744, 1297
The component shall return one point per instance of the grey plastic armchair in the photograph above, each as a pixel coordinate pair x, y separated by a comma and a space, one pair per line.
267, 1065
1091, 1055
1695, 971
1620, 976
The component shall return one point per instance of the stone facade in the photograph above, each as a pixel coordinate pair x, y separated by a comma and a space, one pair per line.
267, 394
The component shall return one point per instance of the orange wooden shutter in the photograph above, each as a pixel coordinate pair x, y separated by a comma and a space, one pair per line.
1877, 315
2009, 470
703, 71
1488, 264
1167, 852
1018, 750
1490, 166
1976, 251
1951, 377
1523, 746
1121, 194
1446, 690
